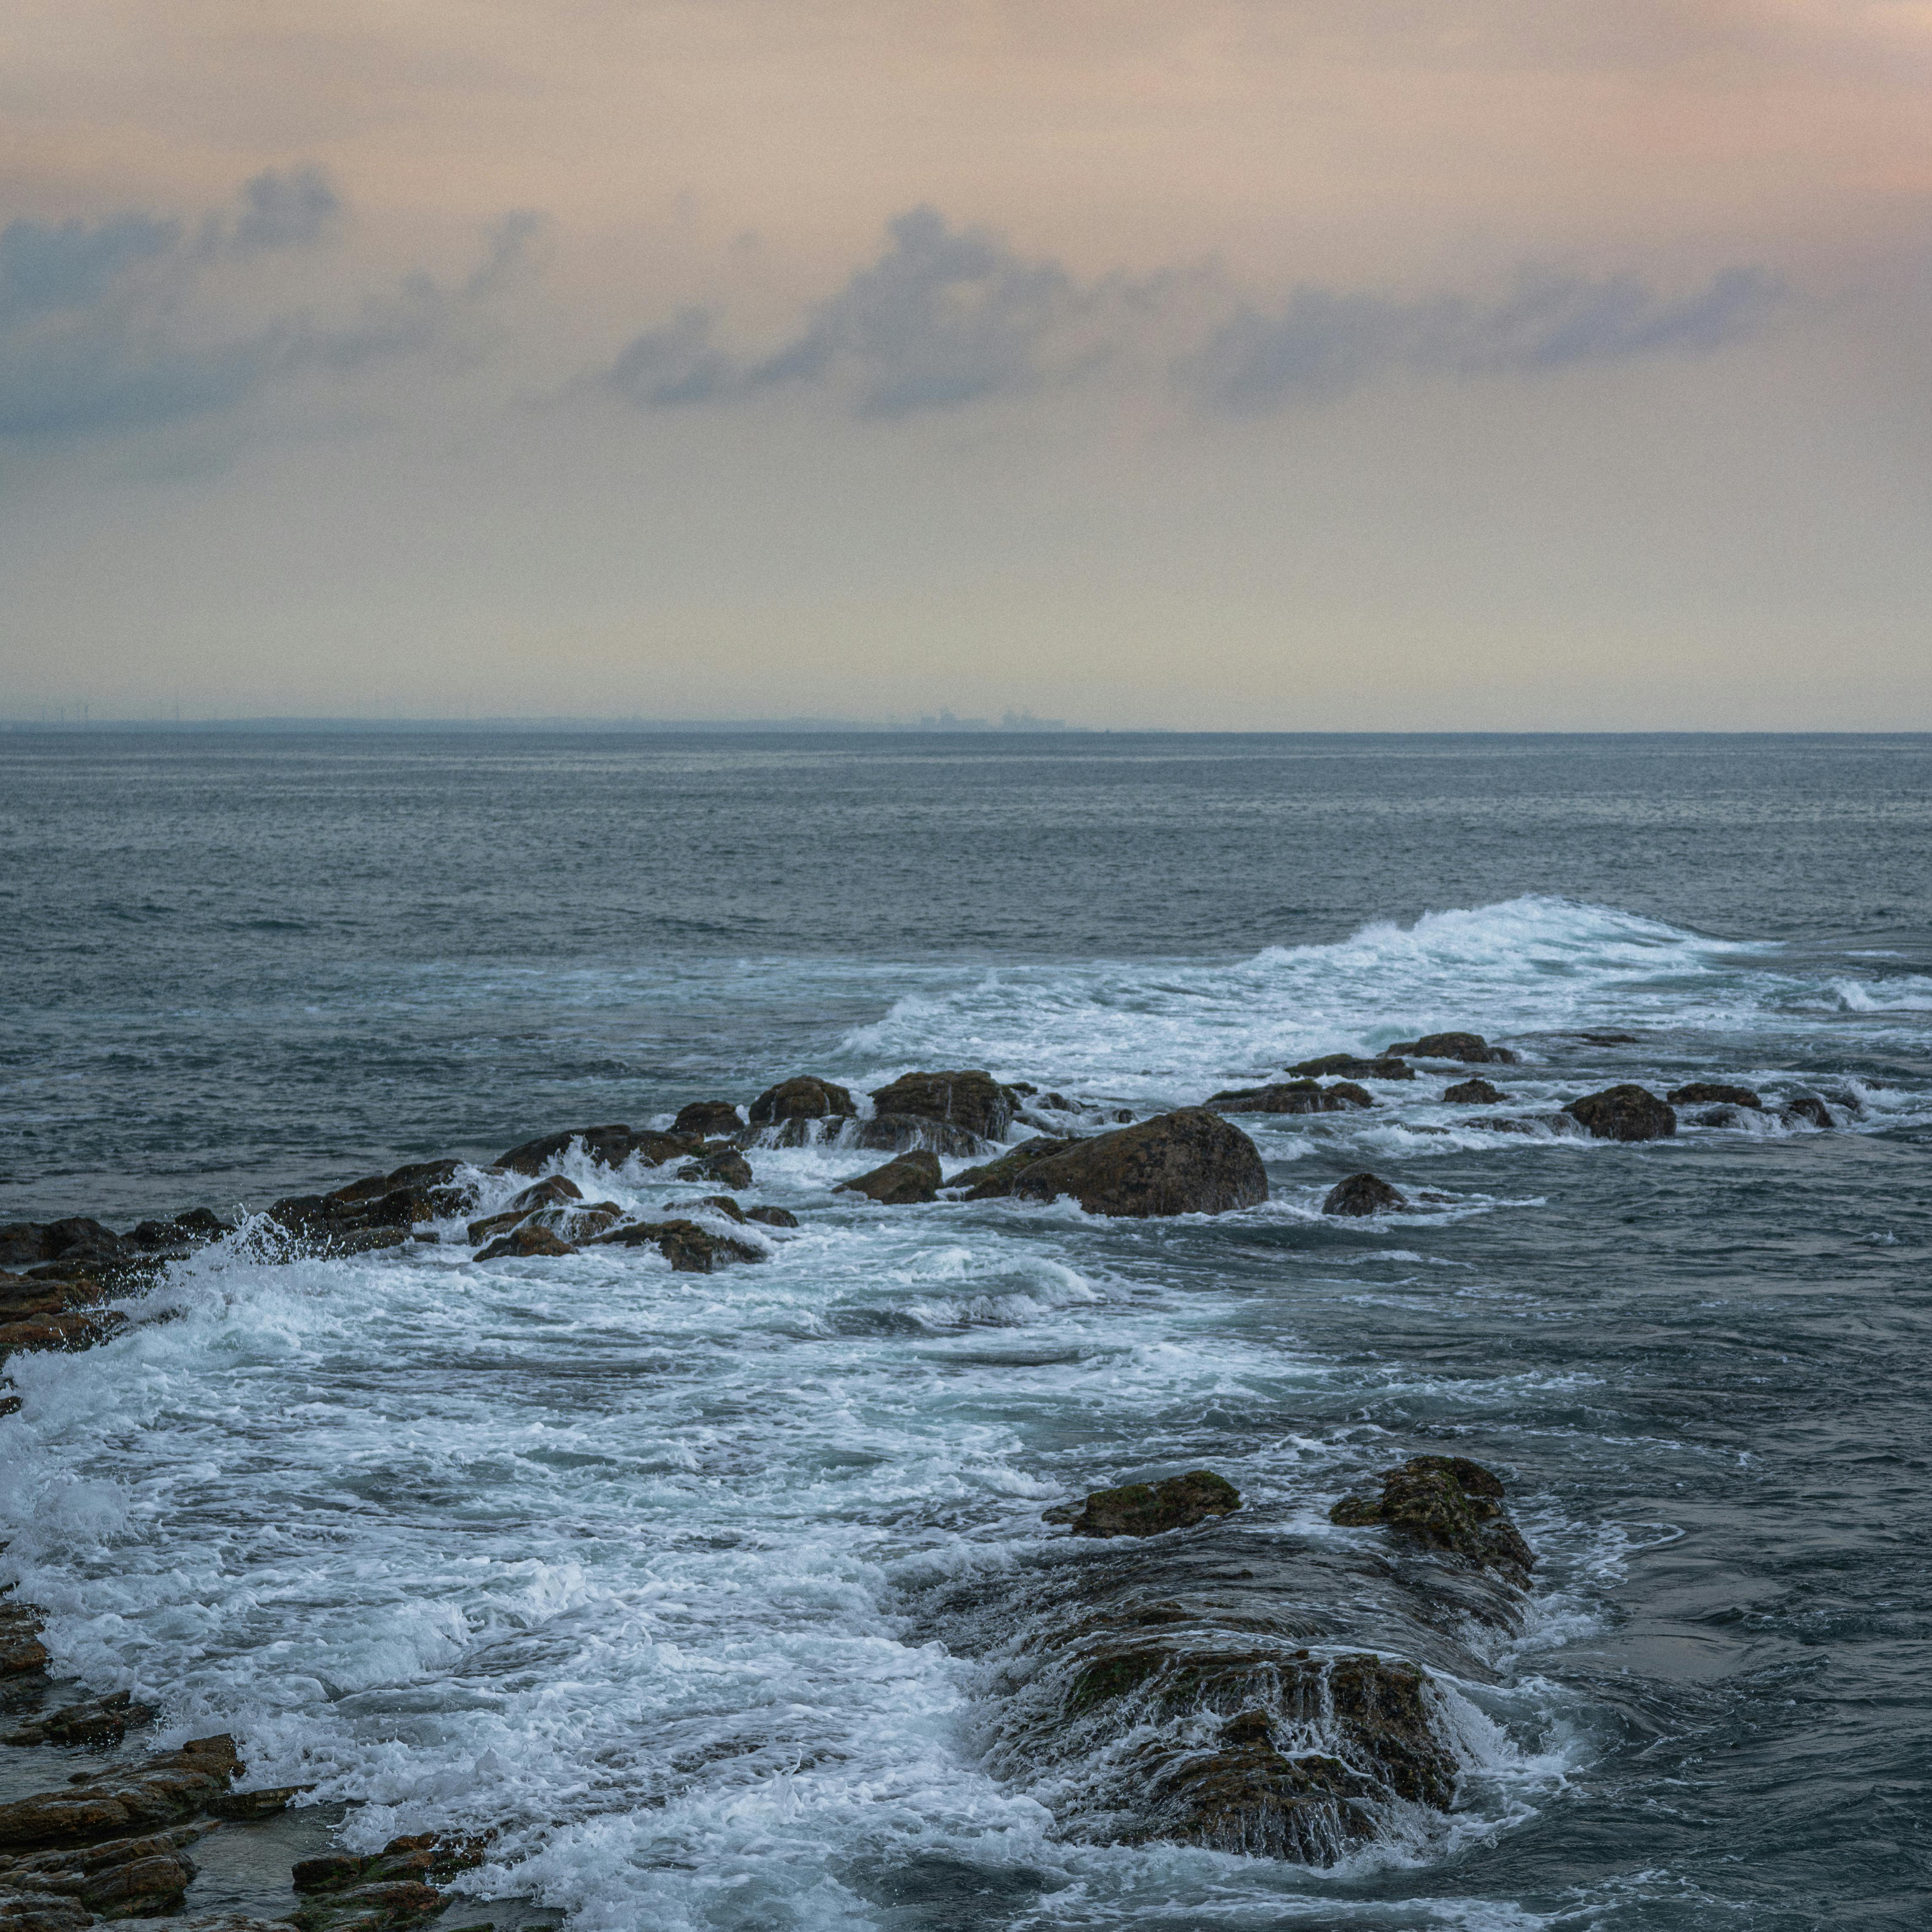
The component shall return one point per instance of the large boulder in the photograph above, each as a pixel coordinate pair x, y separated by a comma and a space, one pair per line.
806, 1097
1713, 1092
894, 1133
1362, 1195
707, 1118
530, 1241
1471, 1047
1380, 1066
1475, 1092
724, 1166
1292, 1096
1625, 1113
1147, 1509
913, 1177
1450, 1504
971, 1099
995, 1179
1189, 1162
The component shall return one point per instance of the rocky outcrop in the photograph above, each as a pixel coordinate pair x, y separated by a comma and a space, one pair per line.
100, 1721
122, 1801
1364, 1194
1449, 1504
707, 1119
1807, 1108
52, 1313
1625, 1113
603, 1146
1354, 1067
971, 1099
138, 1877
21, 1649
529, 1242
1147, 1509
771, 1217
1476, 1093
342, 1892
1189, 1162
897, 1133
1712, 1093
911, 1178
77, 1245
724, 1166
1290, 1096
378, 1211
804, 1098
689, 1248
1471, 1047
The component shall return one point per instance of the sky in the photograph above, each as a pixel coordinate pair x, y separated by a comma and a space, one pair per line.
1285, 364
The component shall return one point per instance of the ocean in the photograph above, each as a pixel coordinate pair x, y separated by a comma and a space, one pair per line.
720, 1599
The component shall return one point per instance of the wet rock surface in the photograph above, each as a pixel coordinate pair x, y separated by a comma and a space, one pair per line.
970, 1099
911, 1178
1364, 1194
689, 1248
1448, 1503
343, 1892
123, 1800
1292, 1096
98, 1721
708, 1119
806, 1097
1476, 1093
897, 1133
1709, 1093
724, 1166
1147, 1509
1354, 1067
1808, 1109
993, 1180
21, 1649
1470, 1048
1627, 1112
530, 1241
610, 1146
1189, 1162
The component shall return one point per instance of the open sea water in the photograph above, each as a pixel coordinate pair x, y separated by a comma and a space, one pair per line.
656, 1574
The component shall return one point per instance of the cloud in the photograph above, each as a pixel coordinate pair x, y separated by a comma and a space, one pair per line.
132, 320
946, 317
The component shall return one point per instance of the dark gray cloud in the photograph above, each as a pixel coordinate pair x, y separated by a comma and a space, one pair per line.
133, 320
944, 317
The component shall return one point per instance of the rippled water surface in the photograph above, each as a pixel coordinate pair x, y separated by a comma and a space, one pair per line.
696, 1587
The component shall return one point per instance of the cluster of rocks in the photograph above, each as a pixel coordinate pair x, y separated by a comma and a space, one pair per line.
1174, 1693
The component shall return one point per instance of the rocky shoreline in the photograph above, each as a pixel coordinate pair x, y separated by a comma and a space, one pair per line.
1142, 1678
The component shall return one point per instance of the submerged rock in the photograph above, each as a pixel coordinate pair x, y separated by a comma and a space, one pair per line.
610, 1146
913, 1177
804, 1098
1471, 1047
689, 1248
1448, 1503
1189, 1162
341, 1892
1476, 1093
100, 1721
970, 1099
708, 1118
1292, 1096
1807, 1108
897, 1133
1378, 1066
725, 1166
1147, 1509
1703, 1092
1625, 1113
772, 1217
1364, 1194
530, 1241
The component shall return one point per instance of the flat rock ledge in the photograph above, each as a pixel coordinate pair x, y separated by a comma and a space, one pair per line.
1192, 1162
1148, 1509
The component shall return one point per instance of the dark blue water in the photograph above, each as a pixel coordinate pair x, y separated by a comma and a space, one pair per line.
643, 1570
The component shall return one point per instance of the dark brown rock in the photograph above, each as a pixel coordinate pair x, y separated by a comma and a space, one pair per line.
1364, 1194
995, 1179
122, 1801
1625, 1113
100, 1721
341, 1892
1807, 1108
804, 1098
529, 1242
772, 1217
689, 1248
1476, 1093
1470, 1048
1448, 1503
724, 1166
137, 1877
708, 1118
970, 1099
1189, 1162
1707, 1093
899, 1133
911, 1178
1292, 1096
1379, 1066
21, 1649
1147, 1509
76, 1328
717, 1203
